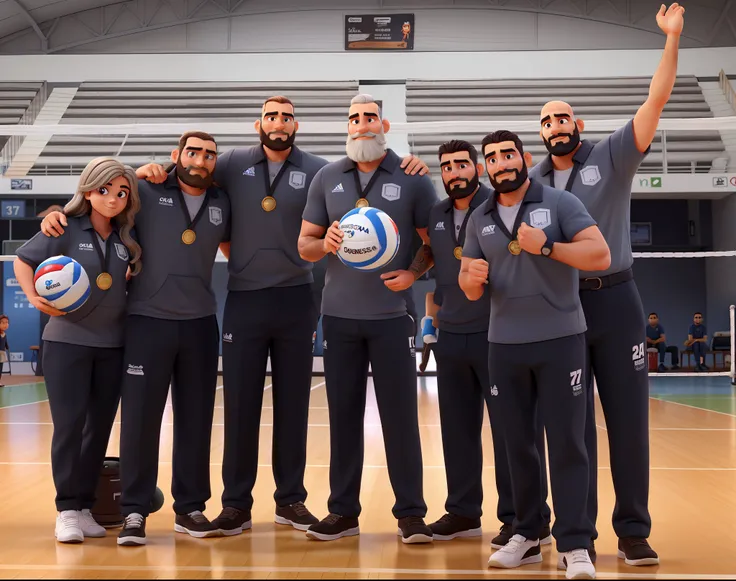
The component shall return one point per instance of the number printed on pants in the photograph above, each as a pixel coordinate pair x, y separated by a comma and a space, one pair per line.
575, 381
638, 356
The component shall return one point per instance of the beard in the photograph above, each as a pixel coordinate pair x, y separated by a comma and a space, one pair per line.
465, 189
364, 150
193, 180
563, 147
508, 186
277, 144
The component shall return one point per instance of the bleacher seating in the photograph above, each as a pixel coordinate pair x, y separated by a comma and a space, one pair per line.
15, 99
591, 98
121, 103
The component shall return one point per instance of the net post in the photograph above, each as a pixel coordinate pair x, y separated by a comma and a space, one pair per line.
732, 311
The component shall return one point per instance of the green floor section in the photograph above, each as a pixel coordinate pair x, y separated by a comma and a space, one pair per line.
24, 393
708, 393
718, 403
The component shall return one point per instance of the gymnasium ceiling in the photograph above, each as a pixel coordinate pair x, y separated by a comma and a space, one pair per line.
59, 26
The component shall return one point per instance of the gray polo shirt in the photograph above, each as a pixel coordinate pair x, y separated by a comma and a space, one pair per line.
176, 281
601, 177
100, 321
263, 252
457, 314
533, 297
354, 294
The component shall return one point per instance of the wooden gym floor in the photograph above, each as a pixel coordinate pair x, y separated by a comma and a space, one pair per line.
693, 501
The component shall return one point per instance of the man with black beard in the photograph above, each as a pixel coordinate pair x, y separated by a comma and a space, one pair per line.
461, 351
600, 175
171, 338
270, 310
365, 322
525, 243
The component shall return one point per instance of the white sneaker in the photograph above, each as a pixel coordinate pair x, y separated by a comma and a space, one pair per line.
67, 527
518, 551
577, 563
89, 525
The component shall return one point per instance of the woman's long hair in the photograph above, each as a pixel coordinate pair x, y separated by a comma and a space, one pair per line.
99, 172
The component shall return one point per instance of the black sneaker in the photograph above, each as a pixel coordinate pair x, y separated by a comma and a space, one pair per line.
297, 515
413, 530
453, 526
134, 531
503, 537
232, 521
334, 527
196, 525
591, 551
662, 368
637, 552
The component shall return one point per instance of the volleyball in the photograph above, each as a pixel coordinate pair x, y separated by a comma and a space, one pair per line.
62, 281
371, 239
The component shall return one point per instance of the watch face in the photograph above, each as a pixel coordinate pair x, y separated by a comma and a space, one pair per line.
546, 251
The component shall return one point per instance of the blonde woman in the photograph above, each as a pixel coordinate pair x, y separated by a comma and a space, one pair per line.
83, 350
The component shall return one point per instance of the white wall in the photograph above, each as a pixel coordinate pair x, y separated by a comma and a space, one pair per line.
721, 272
355, 66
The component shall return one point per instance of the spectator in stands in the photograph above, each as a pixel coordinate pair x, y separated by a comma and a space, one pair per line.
697, 340
4, 349
656, 339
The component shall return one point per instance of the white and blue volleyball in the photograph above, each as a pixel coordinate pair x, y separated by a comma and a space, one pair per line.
62, 281
371, 239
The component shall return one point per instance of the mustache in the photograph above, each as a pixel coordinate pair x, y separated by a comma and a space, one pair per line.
459, 181
280, 133
568, 135
514, 172
366, 134
190, 168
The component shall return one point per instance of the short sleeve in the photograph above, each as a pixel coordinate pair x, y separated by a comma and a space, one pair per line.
572, 216
660, 328
41, 247
425, 197
222, 168
691, 330
471, 248
625, 156
315, 211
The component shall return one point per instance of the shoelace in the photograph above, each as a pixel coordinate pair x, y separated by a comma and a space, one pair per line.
505, 529
448, 518
86, 516
230, 513
331, 519
635, 542
197, 517
579, 556
134, 521
300, 509
413, 520
69, 518
514, 544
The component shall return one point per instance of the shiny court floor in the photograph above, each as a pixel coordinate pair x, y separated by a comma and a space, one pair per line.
693, 501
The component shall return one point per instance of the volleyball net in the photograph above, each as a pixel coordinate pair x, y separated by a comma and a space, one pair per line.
40, 165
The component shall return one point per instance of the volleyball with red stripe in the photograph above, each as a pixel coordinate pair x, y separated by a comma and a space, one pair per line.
62, 281
370, 241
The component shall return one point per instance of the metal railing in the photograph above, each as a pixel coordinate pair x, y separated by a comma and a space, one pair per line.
29, 117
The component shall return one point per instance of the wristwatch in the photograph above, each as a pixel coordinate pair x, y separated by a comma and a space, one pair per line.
547, 248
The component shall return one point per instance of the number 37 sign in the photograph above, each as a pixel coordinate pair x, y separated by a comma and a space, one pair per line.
13, 208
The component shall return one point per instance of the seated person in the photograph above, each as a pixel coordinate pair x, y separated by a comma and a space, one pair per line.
697, 340
656, 339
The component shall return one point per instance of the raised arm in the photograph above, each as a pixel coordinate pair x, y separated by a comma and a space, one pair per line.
671, 21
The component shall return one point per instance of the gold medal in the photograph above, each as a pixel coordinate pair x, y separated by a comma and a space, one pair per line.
362, 203
104, 281
515, 247
188, 236
268, 204
458, 252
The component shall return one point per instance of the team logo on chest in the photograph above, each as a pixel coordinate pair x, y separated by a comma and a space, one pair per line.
590, 175
215, 215
391, 192
251, 171
539, 218
297, 180
121, 251
440, 226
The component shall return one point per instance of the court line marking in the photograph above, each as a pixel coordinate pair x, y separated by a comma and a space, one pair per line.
351, 571
694, 407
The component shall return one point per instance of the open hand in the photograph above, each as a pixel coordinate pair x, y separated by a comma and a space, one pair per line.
413, 165
45, 306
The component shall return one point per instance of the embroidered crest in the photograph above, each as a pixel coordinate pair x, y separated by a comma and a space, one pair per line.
215, 215
297, 180
590, 175
121, 251
391, 192
539, 218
